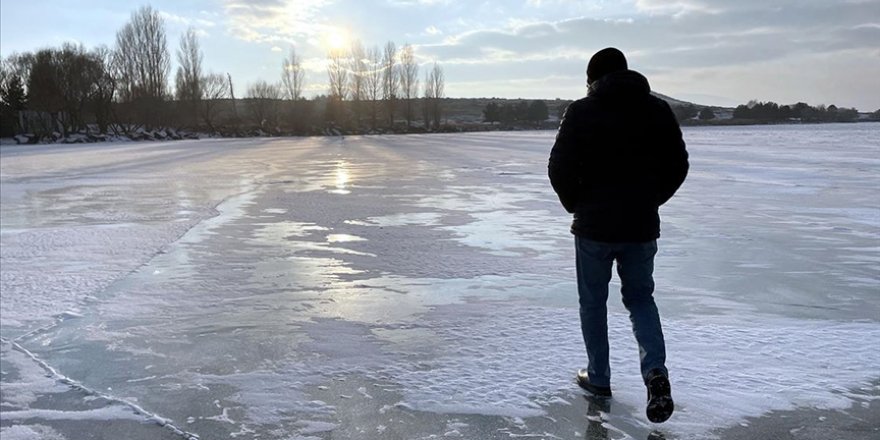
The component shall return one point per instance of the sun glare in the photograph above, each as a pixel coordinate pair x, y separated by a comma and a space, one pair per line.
336, 39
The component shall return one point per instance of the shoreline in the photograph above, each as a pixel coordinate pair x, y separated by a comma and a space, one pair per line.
165, 134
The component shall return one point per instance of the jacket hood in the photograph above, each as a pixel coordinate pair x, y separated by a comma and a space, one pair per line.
622, 83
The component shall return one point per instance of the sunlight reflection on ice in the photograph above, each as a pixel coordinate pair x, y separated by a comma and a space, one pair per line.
343, 238
343, 176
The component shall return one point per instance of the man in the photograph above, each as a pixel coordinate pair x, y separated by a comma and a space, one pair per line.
619, 156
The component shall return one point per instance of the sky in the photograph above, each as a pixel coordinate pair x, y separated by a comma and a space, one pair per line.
713, 52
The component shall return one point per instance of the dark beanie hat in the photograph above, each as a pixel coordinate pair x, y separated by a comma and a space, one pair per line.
605, 61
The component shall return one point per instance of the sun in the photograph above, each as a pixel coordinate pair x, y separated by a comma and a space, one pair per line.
336, 39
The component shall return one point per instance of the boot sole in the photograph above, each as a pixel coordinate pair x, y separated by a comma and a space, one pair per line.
594, 392
660, 404
660, 409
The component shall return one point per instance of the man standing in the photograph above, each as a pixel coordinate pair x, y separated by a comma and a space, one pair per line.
619, 156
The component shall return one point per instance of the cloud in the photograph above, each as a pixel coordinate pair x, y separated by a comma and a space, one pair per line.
701, 40
418, 2
273, 20
732, 37
175, 19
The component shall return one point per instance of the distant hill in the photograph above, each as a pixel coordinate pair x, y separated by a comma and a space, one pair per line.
470, 110
676, 102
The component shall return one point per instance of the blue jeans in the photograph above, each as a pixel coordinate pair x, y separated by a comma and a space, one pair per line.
635, 267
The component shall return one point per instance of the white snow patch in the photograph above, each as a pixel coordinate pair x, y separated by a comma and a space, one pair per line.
29, 432
363, 392
48, 272
314, 426
114, 412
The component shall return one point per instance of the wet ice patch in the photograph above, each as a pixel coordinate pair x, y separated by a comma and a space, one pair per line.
403, 219
23, 380
272, 233
268, 396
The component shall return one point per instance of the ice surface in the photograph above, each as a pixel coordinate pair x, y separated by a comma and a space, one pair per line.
422, 286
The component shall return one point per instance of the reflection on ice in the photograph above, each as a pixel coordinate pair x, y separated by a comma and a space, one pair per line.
343, 238
342, 178
404, 219
278, 232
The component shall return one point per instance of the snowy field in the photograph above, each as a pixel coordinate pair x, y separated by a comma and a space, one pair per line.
422, 287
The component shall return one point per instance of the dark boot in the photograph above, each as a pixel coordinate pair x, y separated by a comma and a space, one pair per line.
660, 405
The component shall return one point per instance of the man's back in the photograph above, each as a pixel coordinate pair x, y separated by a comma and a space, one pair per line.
618, 156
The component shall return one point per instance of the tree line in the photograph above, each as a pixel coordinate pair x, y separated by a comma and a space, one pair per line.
773, 112
769, 112
126, 89
521, 112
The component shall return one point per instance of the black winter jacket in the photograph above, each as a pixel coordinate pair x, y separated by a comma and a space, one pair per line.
618, 156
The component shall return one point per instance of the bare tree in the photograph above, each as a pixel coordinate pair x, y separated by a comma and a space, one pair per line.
426, 101
373, 82
337, 72
213, 87
142, 56
19, 64
293, 76
62, 84
12, 99
232, 97
357, 79
293, 82
409, 80
434, 93
105, 87
390, 83
263, 101
189, 74
439, 93
44, 88
141, 65
78, 72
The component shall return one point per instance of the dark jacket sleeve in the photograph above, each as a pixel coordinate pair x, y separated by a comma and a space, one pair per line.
563, 165
675, 158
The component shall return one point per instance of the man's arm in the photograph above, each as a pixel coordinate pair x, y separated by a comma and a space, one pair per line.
562, 167
675, 159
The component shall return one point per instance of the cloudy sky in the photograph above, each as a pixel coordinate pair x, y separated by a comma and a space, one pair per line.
721, 52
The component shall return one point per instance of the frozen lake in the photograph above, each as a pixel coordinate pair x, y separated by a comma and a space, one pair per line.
423, 286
